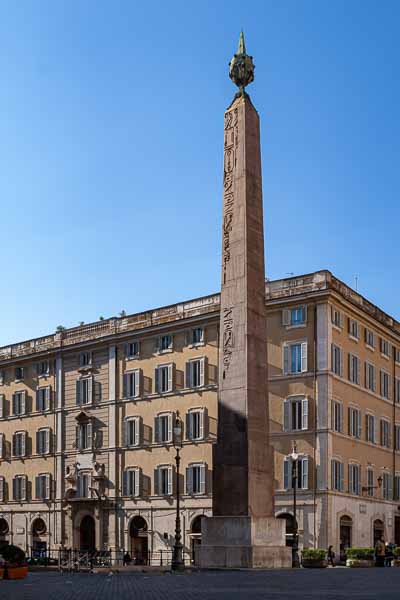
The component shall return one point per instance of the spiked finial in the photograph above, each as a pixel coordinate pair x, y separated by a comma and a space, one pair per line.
241, 67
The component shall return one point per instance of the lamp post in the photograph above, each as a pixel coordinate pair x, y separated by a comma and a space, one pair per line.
177, 563
371, 488
295, 547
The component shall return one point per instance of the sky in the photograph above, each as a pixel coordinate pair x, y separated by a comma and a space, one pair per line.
111, 129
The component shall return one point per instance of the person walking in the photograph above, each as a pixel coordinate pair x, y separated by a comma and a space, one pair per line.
331, 556
380, 551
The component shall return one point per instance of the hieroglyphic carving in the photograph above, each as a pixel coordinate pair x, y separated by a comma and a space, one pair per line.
230, 146
227, 342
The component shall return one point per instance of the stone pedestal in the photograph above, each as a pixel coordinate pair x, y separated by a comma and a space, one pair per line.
243, 542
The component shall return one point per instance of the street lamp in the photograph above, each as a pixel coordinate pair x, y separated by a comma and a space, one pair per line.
369, 488
295, 546
177, 563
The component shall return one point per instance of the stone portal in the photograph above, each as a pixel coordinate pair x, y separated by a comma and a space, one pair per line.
243, 531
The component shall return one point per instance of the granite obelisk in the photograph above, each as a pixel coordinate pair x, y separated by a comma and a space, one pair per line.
243, 531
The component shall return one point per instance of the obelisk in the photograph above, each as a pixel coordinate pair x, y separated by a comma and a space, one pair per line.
243, 531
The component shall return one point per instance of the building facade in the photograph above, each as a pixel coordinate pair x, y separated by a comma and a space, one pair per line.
86, 453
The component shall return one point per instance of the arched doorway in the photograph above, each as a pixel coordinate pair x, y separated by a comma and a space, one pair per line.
195, 536
346, 534
139, 540
87, 532
39, 543
4, 531
289, 527
379, 530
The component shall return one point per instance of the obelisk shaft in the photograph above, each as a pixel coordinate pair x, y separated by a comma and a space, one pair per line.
243, 467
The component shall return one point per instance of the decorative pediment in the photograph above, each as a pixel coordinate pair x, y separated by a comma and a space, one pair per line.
83, 417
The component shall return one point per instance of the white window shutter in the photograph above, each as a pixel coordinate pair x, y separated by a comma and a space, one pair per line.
157, 429
48, 398
202, 419
1, 444
286, 357
188, 373
304, 366
170, 374
341, 473
137, 482
189, 479
285, 316
358, 424
157, 380
90, 434
23, 402
304, 413
23, 443
1, 489
201, 371
47, 445
286, 469
170, 482
1, 406
23, 487
304, 473
286, 415
170, 426
157, 344
202, 479
351, 479
78, 391
137, 431
90, 390
137, 383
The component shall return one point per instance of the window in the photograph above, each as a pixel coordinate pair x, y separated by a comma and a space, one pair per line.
43, 398
387, 486
19, 443
354, 369
197, 336
385, 385
131, 482
294, 316
85, 359
369, 338
132, 349
132, 431
19, 403
196, 479
19, 373
164, 480
165, 343
385, 433
302, 473
354, 479
2, 489
396, 487
83, 485
2, 376
337, 475
397, 355
396, 390
195, 424
2, 445
163, 378
19, 487
43, 486
354, 422
2, 406
43, 441
370, 482
163, 428
354, 330
337, 360
295, 413
370, 377
385, 347
295, 358
370, 428
397, 437
132, 384
43, 368
337, 416
84, 390
84, 436
336, 317
195, 373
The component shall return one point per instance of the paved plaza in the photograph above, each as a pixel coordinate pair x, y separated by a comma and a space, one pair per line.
327, 584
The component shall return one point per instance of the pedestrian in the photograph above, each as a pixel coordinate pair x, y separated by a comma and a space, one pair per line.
380, 552
331, 556
127, 559
389, 554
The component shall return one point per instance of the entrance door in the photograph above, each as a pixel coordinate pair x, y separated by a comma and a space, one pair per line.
346, 526
397, 531
379, 530
139, 541
87, 534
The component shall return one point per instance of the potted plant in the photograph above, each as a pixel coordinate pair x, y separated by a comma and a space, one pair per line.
314, 558
12, 562
360, 557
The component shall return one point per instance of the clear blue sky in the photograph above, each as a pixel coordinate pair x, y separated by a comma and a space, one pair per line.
111, 150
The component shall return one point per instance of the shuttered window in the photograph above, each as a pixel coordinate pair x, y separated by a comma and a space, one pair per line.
195, 424
337, 416
131, 482
84, 390
132, 431
42, 486
354, 418
337, 360
132, 349
84, 436
354, 369
43, 398
385, 433
19, 403
163, 377
2, 406
2, 446
387, 489
370, 377
302, 473
43, 441
19, 487
195, 373
295, 358
165, 484
295, 413
370, 428
337, 475
354, 479
163, 428
19, 443
2, 489
196, 479
132, 384
385, 385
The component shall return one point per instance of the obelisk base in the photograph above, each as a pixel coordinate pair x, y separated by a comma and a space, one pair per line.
243, 542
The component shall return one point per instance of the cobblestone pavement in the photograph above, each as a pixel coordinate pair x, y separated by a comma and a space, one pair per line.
327, 584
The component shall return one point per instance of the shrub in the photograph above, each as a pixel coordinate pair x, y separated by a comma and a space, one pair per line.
13, 554
396, 552
360, 553
314, 553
